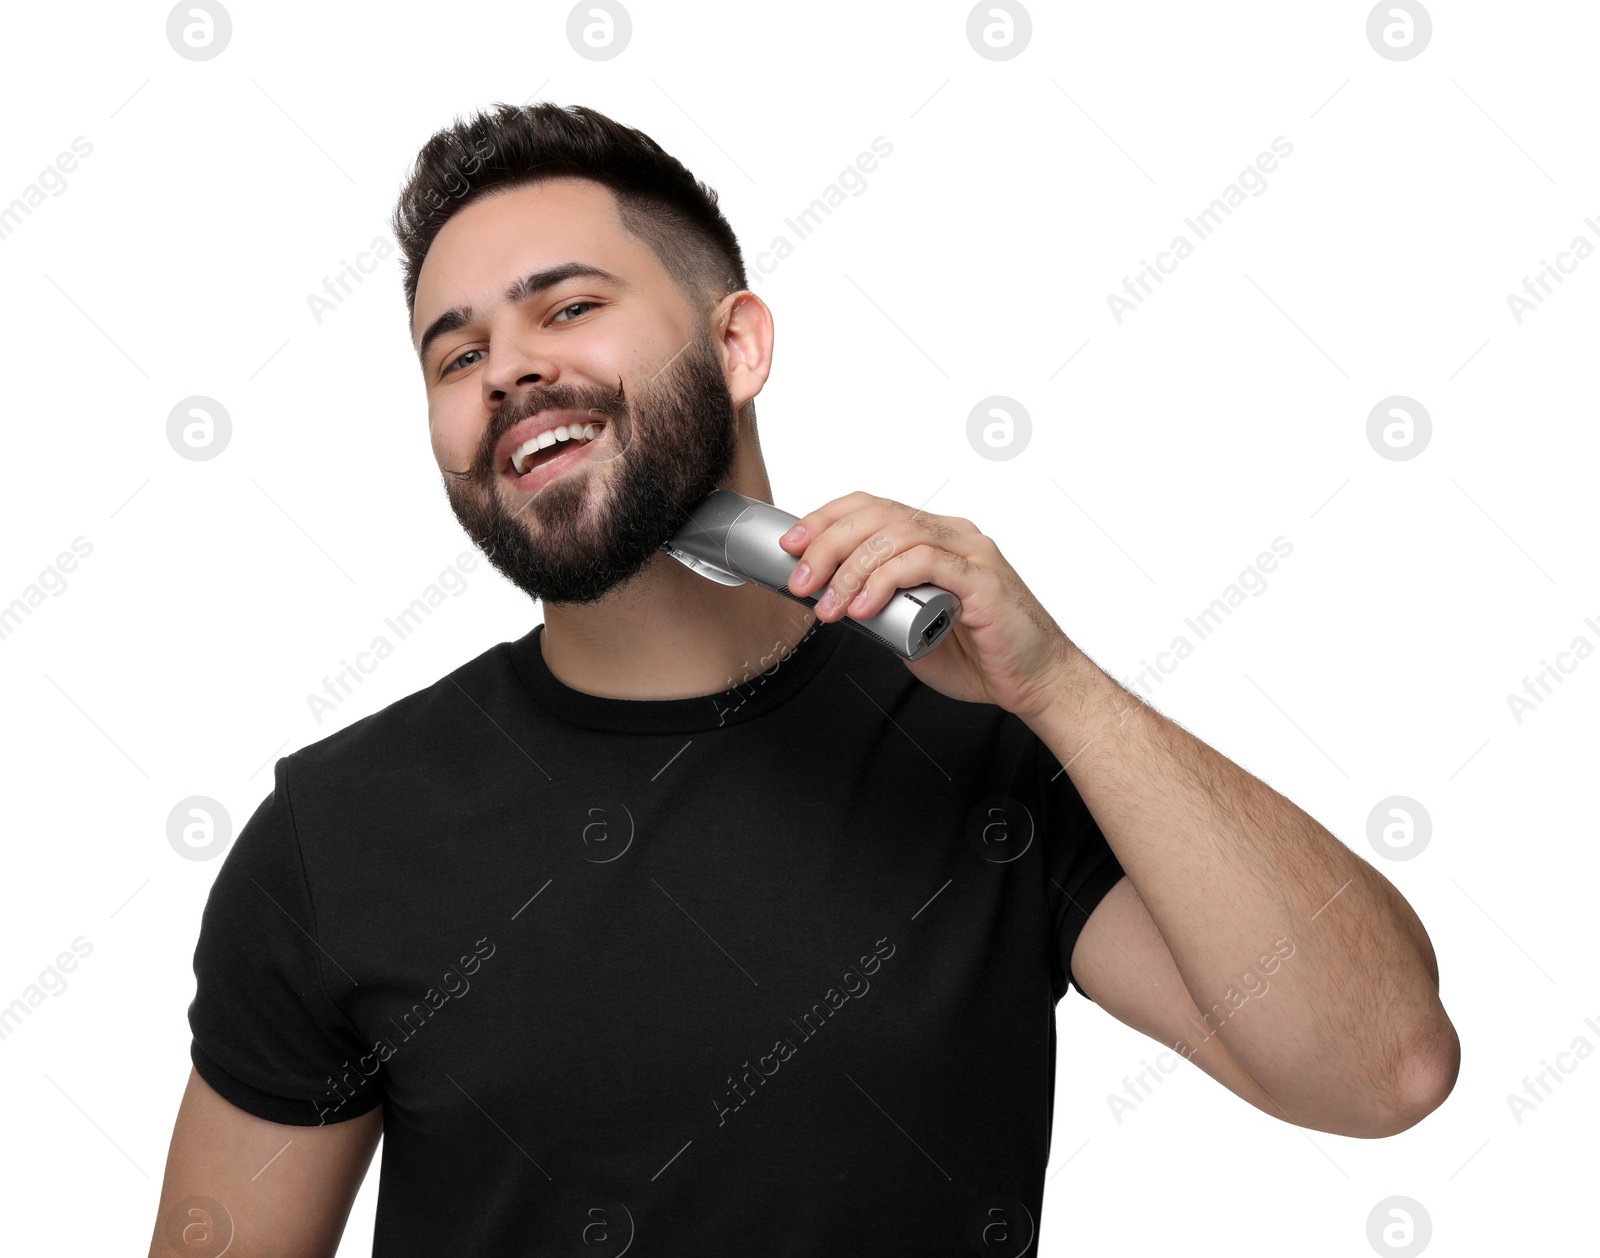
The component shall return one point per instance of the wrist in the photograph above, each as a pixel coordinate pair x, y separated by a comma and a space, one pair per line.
1082, 702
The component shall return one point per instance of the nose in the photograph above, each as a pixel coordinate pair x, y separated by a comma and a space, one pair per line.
512, 368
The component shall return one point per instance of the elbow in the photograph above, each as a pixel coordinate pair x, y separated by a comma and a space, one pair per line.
1427, 1075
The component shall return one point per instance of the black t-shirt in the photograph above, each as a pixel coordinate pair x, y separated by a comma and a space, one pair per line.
772, 971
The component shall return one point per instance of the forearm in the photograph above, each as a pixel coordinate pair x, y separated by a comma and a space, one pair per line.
1300, 957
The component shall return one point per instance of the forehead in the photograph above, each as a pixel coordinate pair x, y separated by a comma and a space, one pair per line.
513, 232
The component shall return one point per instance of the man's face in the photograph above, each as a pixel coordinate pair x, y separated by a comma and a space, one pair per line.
624, 352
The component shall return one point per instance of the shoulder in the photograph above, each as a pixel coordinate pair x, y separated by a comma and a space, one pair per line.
406, 748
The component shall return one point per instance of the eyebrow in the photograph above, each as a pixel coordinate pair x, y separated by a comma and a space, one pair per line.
530, 285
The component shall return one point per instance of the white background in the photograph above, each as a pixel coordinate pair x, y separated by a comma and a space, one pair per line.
1229, 409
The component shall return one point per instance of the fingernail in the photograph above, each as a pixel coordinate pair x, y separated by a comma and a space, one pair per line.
794, 535
827, 601
799, 575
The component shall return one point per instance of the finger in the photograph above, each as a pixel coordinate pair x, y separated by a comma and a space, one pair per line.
854, 531
958, 536
844, 584
809, 526
923, 564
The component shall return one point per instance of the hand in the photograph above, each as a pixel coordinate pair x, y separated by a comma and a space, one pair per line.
1005, 648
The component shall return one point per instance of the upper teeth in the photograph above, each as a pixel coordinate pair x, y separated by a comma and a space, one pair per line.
561, 432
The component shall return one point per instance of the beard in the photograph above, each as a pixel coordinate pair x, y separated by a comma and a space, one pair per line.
576, 540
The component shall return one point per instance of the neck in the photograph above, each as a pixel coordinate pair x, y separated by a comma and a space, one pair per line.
671, 634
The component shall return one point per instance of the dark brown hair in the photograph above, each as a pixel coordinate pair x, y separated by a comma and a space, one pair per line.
506, 146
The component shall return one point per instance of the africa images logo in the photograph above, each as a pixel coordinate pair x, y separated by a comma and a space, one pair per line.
454, 983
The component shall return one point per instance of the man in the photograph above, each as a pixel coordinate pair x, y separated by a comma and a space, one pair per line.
691, 917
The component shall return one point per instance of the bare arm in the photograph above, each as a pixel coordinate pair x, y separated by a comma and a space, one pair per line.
296, 1207
1233, 881
1124, 965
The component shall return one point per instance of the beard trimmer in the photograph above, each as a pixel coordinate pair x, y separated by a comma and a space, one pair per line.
732, 539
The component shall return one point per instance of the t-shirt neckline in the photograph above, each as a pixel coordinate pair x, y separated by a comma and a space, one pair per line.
760, 694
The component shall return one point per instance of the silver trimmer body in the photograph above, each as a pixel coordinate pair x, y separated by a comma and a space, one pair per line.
732, 539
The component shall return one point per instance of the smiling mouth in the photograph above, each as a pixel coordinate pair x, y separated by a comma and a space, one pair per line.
552, 445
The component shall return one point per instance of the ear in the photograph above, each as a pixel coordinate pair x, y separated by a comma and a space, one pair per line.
742, 329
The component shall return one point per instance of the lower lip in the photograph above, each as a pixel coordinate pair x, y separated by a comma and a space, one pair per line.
564, 462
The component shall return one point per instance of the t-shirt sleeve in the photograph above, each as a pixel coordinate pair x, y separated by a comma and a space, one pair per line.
1080, 864
267, 1036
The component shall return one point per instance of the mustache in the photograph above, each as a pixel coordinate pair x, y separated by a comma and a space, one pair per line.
611, 403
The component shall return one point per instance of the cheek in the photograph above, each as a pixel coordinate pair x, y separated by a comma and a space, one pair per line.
654, 350
454, 439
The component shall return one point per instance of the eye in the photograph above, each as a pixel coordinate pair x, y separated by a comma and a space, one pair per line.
572, 306
576, 305
451, 366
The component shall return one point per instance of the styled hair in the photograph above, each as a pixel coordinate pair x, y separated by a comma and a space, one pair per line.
658, 201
